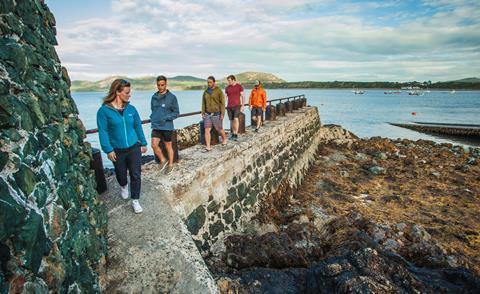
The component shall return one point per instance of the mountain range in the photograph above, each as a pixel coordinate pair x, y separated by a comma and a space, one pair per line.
174, 83
247, 79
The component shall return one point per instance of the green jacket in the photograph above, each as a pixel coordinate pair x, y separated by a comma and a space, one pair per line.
214, 102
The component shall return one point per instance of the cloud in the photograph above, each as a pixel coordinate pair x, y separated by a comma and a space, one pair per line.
298, 40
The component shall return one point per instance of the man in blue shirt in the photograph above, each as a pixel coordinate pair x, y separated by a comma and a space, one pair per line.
164, 107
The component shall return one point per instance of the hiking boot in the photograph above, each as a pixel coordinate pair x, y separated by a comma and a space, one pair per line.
124, 192
232, 137
136, 206
169, 169
256, 130
235, 138
163, 165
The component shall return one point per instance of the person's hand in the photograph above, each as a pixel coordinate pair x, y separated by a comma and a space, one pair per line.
249, 107
203, 115
112, 156
241, 108
143, 149
221, 117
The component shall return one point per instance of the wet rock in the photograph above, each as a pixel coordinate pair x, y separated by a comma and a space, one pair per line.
401, 227
418, 234
320, 216
361, 271
269, 250
472, 161
344, 173
361, 156
381, 155
391, 244
378, 170
380, 232
338, 157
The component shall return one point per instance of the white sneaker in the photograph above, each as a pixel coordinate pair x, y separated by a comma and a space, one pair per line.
124, 192
136, 206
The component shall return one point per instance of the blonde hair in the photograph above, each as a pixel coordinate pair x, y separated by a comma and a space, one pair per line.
116, 86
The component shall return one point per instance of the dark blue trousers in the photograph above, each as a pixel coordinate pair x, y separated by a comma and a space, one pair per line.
129, 159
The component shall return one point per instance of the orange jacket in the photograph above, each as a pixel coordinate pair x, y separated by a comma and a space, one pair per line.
258, 98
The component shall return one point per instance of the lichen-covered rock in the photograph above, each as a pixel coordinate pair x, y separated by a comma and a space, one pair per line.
52, 224
188, 136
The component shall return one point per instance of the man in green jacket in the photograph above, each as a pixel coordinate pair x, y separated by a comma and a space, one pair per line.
213, 111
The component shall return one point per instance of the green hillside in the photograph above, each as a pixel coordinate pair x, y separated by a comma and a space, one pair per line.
141, 83
247, 79
468, 80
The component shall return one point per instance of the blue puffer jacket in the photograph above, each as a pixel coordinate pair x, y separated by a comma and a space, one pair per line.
119, 131
164, 111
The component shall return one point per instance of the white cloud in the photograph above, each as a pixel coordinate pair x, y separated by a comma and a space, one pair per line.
222, 37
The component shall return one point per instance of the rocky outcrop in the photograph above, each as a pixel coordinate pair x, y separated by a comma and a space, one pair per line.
372, 215
52, 224
188, 136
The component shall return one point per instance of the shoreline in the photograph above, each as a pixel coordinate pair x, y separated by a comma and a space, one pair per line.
266, 88
391, 207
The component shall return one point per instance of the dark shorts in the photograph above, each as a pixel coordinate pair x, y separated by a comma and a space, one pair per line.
233, 112
257, 111
213, 120
163, 135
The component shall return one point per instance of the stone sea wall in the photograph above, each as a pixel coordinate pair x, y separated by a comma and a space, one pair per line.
226, 192
52, 225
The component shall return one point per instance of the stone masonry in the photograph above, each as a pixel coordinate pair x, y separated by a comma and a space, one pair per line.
52, 224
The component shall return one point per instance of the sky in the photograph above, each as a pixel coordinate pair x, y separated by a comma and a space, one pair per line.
437, 40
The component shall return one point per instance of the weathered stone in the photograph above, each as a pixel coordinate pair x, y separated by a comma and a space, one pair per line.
26, 179
12, 214
196, 219
228, 216
216, 228
238, 212
242, 190
57, 222
381, 155
3, 160
361, 156
250, 200
377, 170
213, 207
231, 198
32, 241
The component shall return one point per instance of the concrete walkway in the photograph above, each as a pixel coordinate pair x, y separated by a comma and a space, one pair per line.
151, 252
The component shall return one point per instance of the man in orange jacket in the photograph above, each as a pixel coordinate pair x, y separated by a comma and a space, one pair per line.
257, 103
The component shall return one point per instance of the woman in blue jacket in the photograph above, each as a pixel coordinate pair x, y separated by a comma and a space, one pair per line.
122, 138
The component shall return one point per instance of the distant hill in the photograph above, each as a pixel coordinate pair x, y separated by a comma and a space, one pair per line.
270, 81
468, 80
250, 77
141, 83
174, 83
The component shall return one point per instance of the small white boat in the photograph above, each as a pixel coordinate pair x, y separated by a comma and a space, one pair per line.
415, 93
358, 92
453, 91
